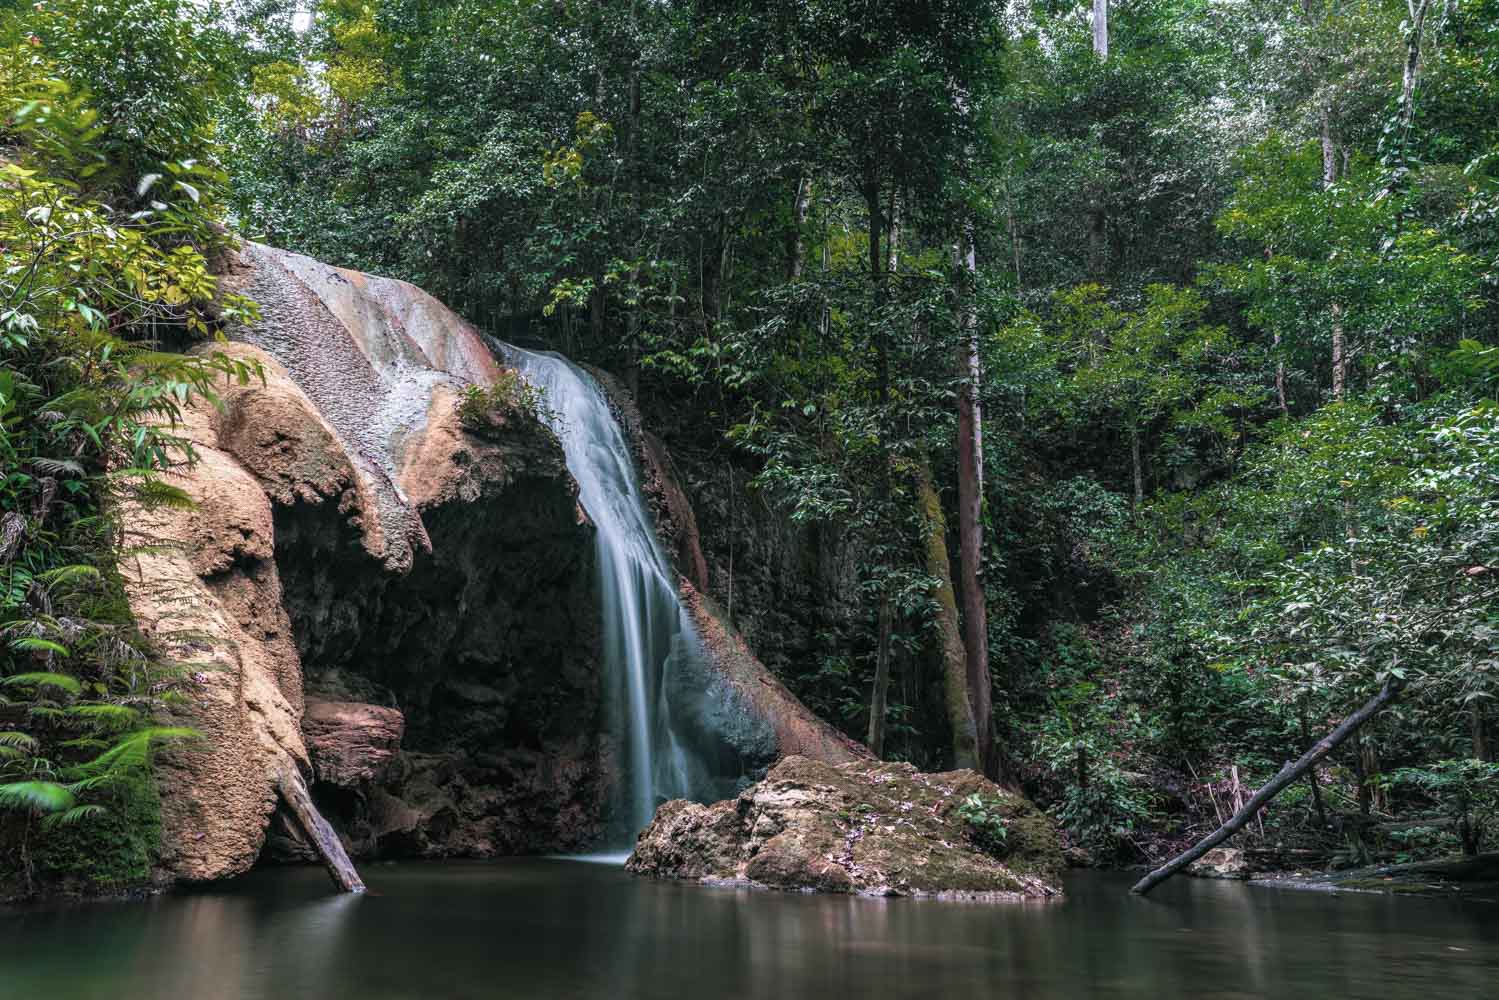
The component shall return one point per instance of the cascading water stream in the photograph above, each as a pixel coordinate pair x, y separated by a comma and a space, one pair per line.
645, 630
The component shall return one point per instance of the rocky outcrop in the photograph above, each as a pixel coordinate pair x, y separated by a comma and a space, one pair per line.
351, 744
859, 827
354, 540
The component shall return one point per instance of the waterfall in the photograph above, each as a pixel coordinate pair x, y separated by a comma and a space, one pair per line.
649, 644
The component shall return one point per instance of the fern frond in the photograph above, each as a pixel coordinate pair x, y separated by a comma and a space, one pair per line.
36, 796
63, 575
42, 679
21, 741
36, 644
104, 715
77, 814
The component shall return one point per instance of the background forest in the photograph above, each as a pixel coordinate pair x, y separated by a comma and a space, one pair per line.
1144, 355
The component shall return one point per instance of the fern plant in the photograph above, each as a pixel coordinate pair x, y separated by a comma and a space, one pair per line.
94, 280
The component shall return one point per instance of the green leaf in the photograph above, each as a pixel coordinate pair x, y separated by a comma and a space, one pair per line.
41, 678
36, 796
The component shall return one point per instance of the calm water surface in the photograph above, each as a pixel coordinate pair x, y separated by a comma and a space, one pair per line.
553, 928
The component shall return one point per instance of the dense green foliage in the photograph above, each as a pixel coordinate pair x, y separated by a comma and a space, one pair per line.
107, 222
1235, 297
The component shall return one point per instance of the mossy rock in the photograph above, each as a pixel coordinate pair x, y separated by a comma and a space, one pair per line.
862, 827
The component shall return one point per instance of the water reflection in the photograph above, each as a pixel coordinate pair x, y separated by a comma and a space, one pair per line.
545, 928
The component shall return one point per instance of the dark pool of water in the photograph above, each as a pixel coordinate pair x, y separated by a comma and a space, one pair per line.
552, 928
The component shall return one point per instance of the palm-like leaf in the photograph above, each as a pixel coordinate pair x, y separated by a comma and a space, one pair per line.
36, 796
42, 679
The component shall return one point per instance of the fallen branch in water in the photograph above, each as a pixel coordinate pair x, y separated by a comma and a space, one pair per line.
324, 840
1288, 774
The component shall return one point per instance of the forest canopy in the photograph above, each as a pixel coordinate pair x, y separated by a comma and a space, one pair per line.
1147, 350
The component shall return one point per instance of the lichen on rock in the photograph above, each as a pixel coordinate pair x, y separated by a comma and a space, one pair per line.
862, 827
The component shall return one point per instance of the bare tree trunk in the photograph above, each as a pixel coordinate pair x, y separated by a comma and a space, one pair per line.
954, 660
970, 524
1288, 774
1410, 76
324, 840
1101, 29
1329, 178
1311, 779
1480, 731
802, 207
1139, 472
877, 697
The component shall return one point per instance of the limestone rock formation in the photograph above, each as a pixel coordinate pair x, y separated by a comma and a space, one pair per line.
310, 562
859, 827
351, 743
213, 601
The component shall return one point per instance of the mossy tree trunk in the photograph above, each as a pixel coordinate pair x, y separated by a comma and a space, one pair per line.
954, 657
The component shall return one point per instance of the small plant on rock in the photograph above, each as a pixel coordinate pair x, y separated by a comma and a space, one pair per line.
510, 394
986, 825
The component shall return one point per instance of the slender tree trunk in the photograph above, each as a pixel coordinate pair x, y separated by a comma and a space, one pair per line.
1139, 472
1288, 774
877, 697
1101, 29
954, 658
800, 210
970, 523
1478, 726
1329, 178
1014, 236
1361, 775
1311, 780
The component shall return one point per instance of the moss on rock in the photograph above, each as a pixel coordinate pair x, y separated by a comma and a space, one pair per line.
860, 827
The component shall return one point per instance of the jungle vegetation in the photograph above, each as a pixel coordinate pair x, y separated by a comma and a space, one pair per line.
1146, 349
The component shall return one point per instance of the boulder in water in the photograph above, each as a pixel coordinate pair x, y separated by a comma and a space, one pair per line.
863, 827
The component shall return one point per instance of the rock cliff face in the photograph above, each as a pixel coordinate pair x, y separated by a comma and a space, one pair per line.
862, 827
353, 542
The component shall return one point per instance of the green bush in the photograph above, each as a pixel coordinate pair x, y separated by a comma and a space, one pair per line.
510, 394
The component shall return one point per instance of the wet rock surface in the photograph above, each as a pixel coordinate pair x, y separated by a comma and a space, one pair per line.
859, 827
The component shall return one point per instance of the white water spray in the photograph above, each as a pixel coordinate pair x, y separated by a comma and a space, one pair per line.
646, 631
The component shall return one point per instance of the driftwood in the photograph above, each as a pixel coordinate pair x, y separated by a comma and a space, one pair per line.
320, 834
1288, 774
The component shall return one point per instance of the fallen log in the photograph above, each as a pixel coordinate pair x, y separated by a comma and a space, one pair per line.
1288, 774
320, 833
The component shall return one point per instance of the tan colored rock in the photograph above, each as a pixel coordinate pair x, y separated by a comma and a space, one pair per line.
859, 827
350, 742
213, 602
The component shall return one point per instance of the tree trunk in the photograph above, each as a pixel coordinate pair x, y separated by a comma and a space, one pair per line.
1329, 178
324, 840
954, 660
970, 525
877, 697
801, 208
1139, 472
1480, 731
1101, 29
1288, 774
